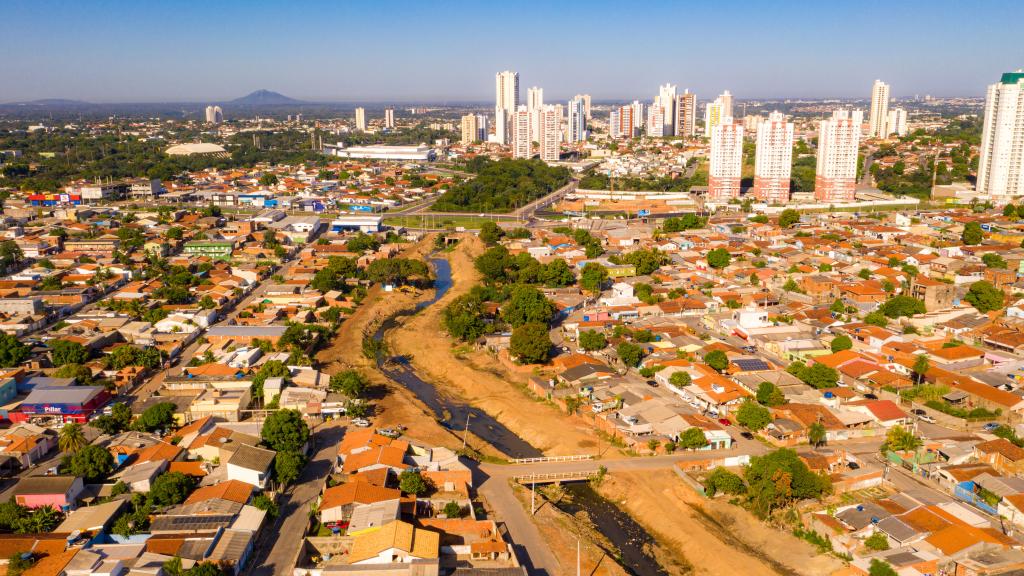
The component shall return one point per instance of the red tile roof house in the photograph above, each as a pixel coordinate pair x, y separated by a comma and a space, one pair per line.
61, 492
885, 412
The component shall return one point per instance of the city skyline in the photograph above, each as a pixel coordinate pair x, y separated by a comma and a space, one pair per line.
211, 53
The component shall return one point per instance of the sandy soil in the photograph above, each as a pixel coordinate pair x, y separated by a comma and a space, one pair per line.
393, 404
714, 536
477, 377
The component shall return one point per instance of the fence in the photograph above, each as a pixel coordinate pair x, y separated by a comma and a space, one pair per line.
573, 458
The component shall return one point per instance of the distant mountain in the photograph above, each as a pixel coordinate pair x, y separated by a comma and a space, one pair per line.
264, 98
60, 102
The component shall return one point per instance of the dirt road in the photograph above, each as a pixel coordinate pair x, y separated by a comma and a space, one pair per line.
476, 377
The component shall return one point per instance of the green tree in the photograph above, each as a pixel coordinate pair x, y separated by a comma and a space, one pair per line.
819, 376
993, 260
527, 305
284, 430
411, 482
12, 351
267, 504
91, 463
816, 433
898, 306
838, 307
71, 439
531, 343
680, 379
591, 340
920, 368
491, 233
876, 318
592, 277
1010, 211
157, 417
753, 416
900, 439
66, 352
881, 568
269, 369
769, 394
972, 234
288, 466
692, 438
878, 541
723, 481
268, 180
629, 353
984, 296
117, 421
788, 218
719, 258
171, 488
351, 383
717, 360
777, 479
81, 374
841, 342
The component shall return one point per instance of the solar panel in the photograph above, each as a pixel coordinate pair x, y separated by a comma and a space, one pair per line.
751, 364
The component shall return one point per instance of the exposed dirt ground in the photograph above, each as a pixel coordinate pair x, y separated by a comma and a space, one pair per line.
714, 536
476, 376
394, 404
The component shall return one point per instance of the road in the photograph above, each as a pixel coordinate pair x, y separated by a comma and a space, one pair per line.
278, 546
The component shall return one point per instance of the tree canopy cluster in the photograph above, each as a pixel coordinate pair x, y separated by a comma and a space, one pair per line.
501, 186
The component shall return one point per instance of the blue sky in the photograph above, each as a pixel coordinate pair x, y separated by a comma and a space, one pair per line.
437, 50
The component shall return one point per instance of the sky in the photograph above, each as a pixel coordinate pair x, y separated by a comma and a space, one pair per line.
442, 50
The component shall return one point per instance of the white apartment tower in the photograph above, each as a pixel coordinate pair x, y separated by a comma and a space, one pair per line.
586, 103
638, 115
897, 122
686, 114
535, 98
726, 99
214, 115
506, 103
389, 118
838, 142
1001, 167
361, 119
773, 159
656, 119
522, 139
620, 122
726, 163
717, 111
879, 118
667, 101
549, 123
470, 130
576, 131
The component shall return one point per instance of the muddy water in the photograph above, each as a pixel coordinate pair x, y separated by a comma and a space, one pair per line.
450, 412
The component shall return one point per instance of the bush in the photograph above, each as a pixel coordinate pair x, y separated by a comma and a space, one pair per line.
531, 343
724, 481
753, 416
877, 541
592, 340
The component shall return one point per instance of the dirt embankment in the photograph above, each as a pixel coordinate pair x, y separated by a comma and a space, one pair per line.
394, 404
714, 536
477, 377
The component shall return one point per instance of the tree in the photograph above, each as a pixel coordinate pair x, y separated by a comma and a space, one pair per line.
920, 367
791, 286
269, 369
645, 261
972, 234
1010, 211
984, 296
816, 434
993, 260
92, 463
66, 352
899, 306
769, 394
680, 379
12, 351
157, 417
788, 218
591, 340
841, 342
411, 482
284, 430
719, 258
838, 307
724, 481
531, 343
692, 438
10, 254
876, 318
171, 488
126, 355
593, 277
71, 439
717, 360
630, 353
268, 179
351, 383
82, 375
900, 439
117, 421
818, 376
267, 504
527, 305
453, 510
881, 568
557, 274
288, 466
491, 233
780, 478
753, 416
878, 541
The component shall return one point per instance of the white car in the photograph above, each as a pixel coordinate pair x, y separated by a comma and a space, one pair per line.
361, 422
926, 418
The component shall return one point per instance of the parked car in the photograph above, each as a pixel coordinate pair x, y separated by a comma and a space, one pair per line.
918, 412
871, 396
747, 435
652, 383
853, 465
389, 432
991, 426
724, 422
926, 418
361, 422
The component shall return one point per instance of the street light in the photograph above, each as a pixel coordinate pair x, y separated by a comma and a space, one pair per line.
465, 432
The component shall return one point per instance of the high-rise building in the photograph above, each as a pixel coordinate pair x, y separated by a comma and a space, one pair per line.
389, 118
726, 99
361, 119
717, 111
686, 114
586, 104
638, 115
535, 98
1001, 167
506, 102
897, 122
838, 142
751, 122
522, 139
667, 101
470, 130
481, 127
726, 162
576, 130
773, 159
214, 115
549, 124
620, 122
656, 119
879, 117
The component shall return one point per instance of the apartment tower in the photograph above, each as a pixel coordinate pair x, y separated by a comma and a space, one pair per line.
838, 142
726, 162
773, 159
686, 114
1001, 167
879, 117
506, 103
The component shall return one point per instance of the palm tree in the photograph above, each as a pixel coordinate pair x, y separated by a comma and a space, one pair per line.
71, 438
816, 434
921, 367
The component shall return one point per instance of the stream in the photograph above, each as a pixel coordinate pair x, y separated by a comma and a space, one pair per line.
452, 414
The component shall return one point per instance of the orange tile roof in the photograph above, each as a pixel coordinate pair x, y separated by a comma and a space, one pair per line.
356, 493
188, 468
1003, 447
390, 456
159, 451
955, 538
233, 490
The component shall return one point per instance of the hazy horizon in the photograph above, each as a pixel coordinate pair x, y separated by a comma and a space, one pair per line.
118, 52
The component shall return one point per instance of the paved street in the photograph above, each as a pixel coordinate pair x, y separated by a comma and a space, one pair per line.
278, 546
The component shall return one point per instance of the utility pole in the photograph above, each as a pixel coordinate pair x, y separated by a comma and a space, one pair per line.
465, 433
